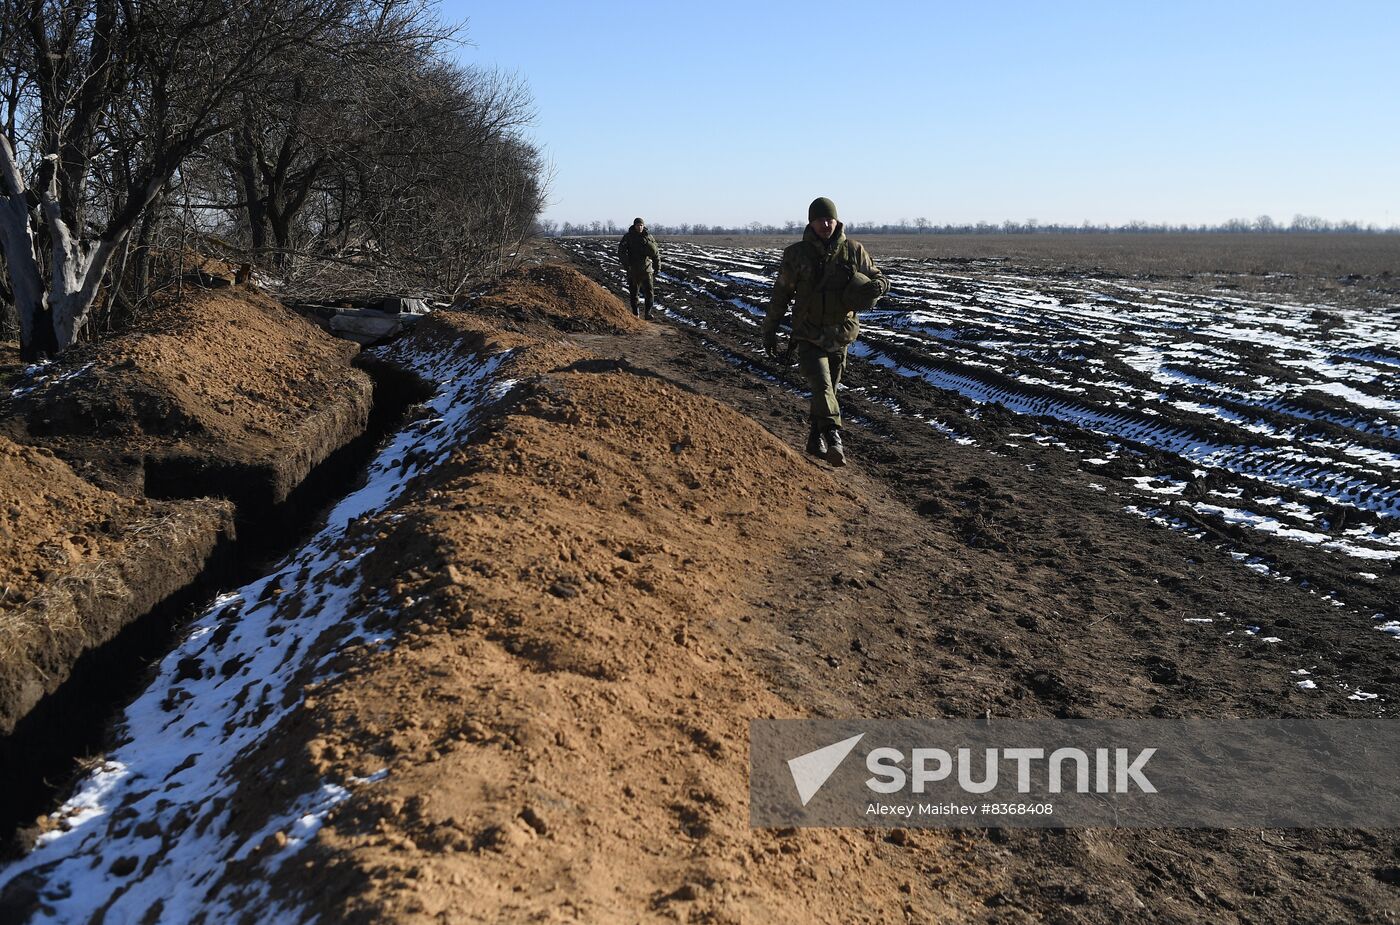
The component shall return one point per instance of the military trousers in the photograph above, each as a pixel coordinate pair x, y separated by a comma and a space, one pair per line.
643, 280
823, 370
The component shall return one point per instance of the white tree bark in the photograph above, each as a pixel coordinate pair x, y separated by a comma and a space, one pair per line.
17, 241
78, 268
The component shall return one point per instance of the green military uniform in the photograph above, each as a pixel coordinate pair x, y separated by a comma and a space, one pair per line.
641, 258
827, 282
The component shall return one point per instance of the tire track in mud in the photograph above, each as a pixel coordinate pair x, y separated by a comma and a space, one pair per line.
1256, 394
1194, 443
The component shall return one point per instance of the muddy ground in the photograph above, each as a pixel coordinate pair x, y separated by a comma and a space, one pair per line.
1336, 269
516, 684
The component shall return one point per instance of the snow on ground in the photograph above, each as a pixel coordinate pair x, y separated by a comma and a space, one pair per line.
37, 377
1262, 396
151, 827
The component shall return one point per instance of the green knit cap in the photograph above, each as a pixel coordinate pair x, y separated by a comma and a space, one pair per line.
821, 207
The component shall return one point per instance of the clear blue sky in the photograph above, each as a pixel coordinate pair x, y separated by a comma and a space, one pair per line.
730, 112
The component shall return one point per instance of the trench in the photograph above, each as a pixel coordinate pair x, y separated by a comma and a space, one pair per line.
69, 729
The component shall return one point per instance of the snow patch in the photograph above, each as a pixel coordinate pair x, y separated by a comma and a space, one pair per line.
219, 695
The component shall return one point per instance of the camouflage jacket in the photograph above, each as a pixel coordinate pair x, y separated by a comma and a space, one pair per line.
815, 274
634, 249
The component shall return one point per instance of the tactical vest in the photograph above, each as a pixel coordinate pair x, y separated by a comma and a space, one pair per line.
821, 280
637, 248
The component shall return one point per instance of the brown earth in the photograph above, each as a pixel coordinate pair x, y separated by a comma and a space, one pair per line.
46, 507
221, 393
565, 720
554, 295
602, 590
629, 562
78, 563
215, 389
564, 715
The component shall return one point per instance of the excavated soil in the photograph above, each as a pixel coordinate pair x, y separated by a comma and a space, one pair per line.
555, 297
77, 564
564, 726
218, 391
220, 396
568, 617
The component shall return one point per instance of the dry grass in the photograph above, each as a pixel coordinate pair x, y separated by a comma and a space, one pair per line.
79, 608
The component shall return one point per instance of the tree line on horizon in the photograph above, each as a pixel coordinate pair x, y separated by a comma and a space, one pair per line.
318, 140
1264, 224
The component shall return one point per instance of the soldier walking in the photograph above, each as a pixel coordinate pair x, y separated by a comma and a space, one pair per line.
641, 258
830, 277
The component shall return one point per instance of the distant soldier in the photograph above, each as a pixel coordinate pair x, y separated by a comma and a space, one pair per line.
831, 277
636, 248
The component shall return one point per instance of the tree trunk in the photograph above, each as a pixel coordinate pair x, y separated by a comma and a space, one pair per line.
254, 203
282, 235
78, 269
145, 238
36, 338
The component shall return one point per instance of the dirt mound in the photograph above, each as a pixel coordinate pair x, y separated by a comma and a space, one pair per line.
53, 520
219, 393
572, 693
219, 389
558, 296
77, 563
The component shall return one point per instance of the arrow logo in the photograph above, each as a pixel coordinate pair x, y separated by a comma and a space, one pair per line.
811, 771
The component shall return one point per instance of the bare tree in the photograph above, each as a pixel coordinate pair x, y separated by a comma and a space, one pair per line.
314, 116
127, 89
326, 128
441, 189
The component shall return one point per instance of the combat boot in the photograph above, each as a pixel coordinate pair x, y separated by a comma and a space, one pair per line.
835, 452
816, 443
647, 316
